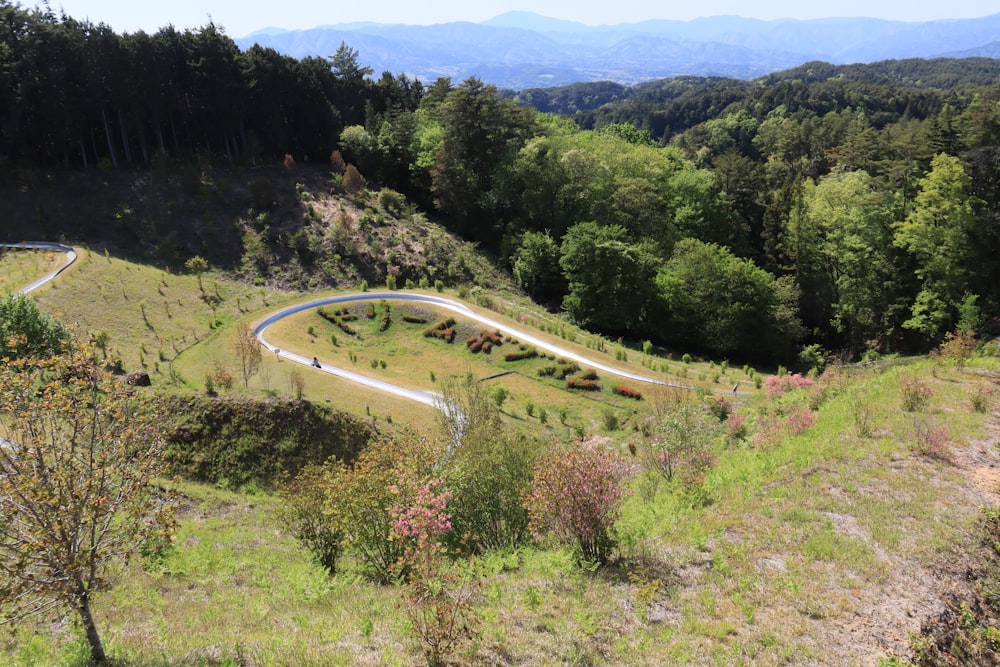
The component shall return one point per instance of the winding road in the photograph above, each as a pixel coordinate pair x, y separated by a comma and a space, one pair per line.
66, 250
428, 398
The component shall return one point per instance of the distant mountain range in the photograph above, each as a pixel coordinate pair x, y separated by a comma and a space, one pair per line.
526, 50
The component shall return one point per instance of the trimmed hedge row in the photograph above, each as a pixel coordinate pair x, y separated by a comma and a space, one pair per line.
561, 370
340, 318
627, 392
444, 330
524, 353
484, 342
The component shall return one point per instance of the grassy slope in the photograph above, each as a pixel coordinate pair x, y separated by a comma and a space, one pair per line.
828, 547
822, 548
18, 268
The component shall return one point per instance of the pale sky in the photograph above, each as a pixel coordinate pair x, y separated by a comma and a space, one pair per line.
241, 17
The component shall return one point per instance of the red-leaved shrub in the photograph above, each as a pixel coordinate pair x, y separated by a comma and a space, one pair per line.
627, 392
575, 499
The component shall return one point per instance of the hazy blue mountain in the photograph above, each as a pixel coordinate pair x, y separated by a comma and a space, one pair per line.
991, 50
523, 49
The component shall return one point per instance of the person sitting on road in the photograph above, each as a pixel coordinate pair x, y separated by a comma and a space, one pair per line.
316, 363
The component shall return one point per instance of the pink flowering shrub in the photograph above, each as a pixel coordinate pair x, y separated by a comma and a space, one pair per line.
799, 420
422, 519
438, 594
575, 499
774, 427
931, 441
776, 386
916, 393
736, 426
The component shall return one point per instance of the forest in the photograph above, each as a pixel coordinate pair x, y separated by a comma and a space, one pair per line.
826, 210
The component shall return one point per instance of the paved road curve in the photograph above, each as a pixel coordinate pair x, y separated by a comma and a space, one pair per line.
426, 397
38, 245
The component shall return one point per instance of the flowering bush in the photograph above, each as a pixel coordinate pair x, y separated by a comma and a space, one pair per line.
931, 441
916, 393
437, 594
575, 499
360, 500
799, 420
776, 426
736, 426
778, 385
421, 518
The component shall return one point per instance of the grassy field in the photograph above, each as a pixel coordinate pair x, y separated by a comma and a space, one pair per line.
19, 268
826, 547
828, 544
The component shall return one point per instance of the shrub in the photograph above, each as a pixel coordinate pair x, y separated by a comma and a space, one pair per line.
931, 441
575, 499
776, 426
304, 512
222, 377
610, 420
782, 384
681, 445
385, 315
958, 346
499, 394
916, 393
484, 342
443, 330
391, 200
720, 407
352, 180
438, 597
488, 468
360, 499
981, 399
627, 392
582, 384
297, 383
528, 353
812, 357
413, 319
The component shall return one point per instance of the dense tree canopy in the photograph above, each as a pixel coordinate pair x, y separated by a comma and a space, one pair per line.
860, 201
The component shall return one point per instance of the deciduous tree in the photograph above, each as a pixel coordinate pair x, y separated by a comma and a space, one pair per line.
78, 467
936, 233
26, 331
247, 348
